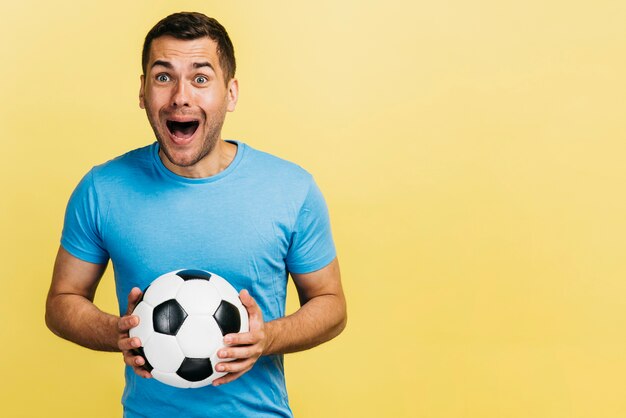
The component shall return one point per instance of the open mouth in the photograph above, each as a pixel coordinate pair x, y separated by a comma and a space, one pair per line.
183, 130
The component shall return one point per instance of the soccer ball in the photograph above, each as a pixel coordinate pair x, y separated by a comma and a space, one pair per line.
183, 317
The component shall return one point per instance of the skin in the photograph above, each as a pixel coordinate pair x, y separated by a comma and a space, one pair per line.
185, 82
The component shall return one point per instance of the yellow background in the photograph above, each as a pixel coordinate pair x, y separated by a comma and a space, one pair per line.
472, 156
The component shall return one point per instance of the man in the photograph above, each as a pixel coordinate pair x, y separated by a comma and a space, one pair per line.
192, 200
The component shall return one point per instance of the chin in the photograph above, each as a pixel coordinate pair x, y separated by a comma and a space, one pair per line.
181, 159
186, 158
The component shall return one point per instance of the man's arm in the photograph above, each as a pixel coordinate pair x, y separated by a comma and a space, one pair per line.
321, 317
71, 313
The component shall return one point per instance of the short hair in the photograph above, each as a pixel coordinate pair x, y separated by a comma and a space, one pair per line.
193, 25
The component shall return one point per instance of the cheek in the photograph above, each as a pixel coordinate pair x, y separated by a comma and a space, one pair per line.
156, 98
214, 103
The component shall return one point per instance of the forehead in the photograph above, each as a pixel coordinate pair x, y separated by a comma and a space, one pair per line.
183, 51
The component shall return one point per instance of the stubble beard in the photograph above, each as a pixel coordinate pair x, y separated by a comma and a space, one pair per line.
213, 134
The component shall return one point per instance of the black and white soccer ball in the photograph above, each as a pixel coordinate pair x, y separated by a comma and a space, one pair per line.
183, 318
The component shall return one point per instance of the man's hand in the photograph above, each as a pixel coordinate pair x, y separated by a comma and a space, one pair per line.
126, 344
245, 347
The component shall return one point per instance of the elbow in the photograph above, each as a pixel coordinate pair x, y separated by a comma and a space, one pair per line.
342, 321
49, 319
50, 322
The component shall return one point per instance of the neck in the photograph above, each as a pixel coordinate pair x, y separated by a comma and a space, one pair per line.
211, 164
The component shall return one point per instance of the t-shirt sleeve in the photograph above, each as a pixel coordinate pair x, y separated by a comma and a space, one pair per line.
82, 228
312, 246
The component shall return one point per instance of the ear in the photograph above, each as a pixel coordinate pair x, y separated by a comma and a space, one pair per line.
233, 94
142, 91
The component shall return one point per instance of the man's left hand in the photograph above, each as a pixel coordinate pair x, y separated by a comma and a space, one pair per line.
246, 347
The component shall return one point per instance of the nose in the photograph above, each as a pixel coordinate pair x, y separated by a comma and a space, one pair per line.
180, 96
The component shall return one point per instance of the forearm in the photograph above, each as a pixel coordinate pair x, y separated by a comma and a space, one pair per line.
317, 321
77, 319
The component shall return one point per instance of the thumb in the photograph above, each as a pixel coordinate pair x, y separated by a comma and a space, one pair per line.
249, 302
133, 298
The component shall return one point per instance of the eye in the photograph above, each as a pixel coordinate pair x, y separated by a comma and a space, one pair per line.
163, 78
200, 79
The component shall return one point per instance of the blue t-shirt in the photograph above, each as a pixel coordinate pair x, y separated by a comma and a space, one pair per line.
253, 223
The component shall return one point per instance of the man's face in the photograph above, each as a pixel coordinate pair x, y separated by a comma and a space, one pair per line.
186, 98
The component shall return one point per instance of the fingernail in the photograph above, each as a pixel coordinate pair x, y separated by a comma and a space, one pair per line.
228, 340
223, 354
220, 368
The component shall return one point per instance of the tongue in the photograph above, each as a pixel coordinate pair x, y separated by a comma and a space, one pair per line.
184, 130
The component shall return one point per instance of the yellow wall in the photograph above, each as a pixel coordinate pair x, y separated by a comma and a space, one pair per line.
472, 155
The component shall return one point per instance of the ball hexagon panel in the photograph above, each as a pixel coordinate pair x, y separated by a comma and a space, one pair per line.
171, 379
198, 297
245, 322
168, 317
164, 353
199, 336
144, 330
162, 289
227, 291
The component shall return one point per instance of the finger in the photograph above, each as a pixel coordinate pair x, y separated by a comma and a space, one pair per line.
236, 366
240, 352
126, 344
142, 372
244, 338
127, 322
133, 360
137, 363
249, 302
133, 297
228, 378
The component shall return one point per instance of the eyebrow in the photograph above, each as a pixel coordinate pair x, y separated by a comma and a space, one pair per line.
169, 65
203, 64
165, 64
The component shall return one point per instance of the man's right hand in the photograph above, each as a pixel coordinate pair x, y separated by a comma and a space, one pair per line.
127, 344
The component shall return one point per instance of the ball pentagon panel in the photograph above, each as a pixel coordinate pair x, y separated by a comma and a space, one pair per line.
195, 369
229, 293
168, 317
228, 318
194, 274
215, 375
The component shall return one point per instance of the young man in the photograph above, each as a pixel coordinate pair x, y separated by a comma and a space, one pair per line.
192, 200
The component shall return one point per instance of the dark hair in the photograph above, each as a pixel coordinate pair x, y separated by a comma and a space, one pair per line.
193, 25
